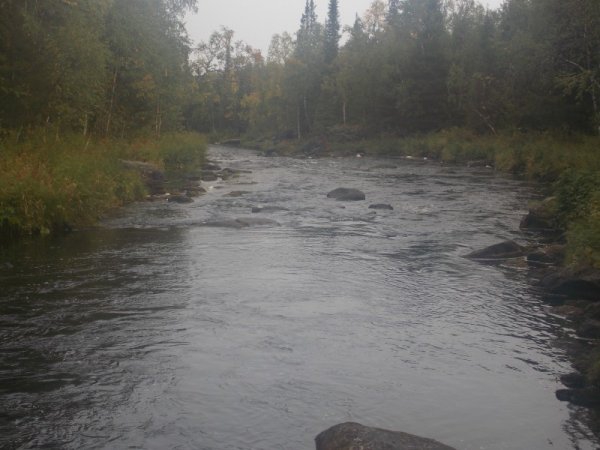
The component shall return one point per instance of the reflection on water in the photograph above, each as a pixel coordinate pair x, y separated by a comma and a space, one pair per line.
153, 332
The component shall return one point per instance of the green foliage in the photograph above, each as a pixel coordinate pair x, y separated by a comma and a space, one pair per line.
47, 184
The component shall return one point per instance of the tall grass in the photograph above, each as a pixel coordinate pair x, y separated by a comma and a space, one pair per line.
48, 184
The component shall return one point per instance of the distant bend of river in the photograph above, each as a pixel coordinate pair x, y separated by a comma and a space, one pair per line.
152, 332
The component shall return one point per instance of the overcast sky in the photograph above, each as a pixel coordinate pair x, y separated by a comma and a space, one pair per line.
255, 21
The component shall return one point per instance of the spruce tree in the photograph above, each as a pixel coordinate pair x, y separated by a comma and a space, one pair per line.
332, 32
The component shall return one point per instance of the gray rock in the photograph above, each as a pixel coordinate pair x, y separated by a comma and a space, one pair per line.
261, 209
588, 397
238, 223
346, 194
236, 194
354, 436
573, 283
503, 250
546, 256
381, 206
573, 380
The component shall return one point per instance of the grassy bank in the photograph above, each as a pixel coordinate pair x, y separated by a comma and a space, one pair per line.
48, 184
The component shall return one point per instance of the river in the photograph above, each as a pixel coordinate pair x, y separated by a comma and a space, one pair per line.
154, 332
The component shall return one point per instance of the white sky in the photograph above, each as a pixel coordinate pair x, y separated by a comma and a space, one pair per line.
256, 21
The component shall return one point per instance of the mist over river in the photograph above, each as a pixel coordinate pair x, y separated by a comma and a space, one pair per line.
155, 332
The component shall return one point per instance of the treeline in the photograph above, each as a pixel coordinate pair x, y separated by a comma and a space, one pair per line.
410, 66
85, 84
95, 67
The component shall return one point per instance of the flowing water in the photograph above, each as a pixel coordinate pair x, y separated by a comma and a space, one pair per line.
154, 332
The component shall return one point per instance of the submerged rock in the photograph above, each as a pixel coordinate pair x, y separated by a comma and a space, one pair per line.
261, 209
546, 256
236, 193
503, 250
346, 194
354, 436
242, 222
381, 206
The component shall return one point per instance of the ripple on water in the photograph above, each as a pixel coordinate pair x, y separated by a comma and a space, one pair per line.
154, 333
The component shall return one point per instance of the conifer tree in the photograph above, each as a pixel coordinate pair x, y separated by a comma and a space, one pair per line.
332, 32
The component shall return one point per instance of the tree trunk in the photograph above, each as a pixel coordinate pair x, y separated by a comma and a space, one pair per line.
344, 112
298, 122
112, 101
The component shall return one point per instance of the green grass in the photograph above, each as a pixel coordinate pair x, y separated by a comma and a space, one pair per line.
48, 184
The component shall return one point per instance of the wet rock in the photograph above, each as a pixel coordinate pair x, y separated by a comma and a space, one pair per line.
568, 311
354, 436
346, 194
179, 199
542, 216
573, 380
589, 329
384, 206
270, 153
546, 256
152, 176
588, 397
261, 209
236, 194
503, 250
573, 283
239, 223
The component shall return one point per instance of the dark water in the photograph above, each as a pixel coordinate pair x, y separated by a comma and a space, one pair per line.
153, 332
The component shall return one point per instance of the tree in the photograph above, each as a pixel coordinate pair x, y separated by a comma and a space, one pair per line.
332, 32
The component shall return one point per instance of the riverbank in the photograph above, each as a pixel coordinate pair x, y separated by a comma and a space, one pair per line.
49, 184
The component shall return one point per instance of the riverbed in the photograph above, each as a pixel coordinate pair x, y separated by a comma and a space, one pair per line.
155, 331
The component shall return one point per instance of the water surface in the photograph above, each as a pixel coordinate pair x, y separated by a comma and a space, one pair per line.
154, 332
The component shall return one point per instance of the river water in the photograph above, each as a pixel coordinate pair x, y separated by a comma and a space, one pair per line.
154, 332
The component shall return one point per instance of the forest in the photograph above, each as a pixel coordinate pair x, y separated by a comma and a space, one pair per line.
409, 66
85, 83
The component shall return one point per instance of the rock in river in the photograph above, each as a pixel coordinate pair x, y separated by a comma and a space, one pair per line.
346, 194
381, 206
354, 436
503, 250
242, 222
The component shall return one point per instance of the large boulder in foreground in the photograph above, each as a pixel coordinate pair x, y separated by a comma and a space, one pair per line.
503, 250
346, 194
354, 436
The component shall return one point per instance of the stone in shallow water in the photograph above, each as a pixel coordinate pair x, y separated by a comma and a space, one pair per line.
346, 194
381, 206
507, 249
354, 436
